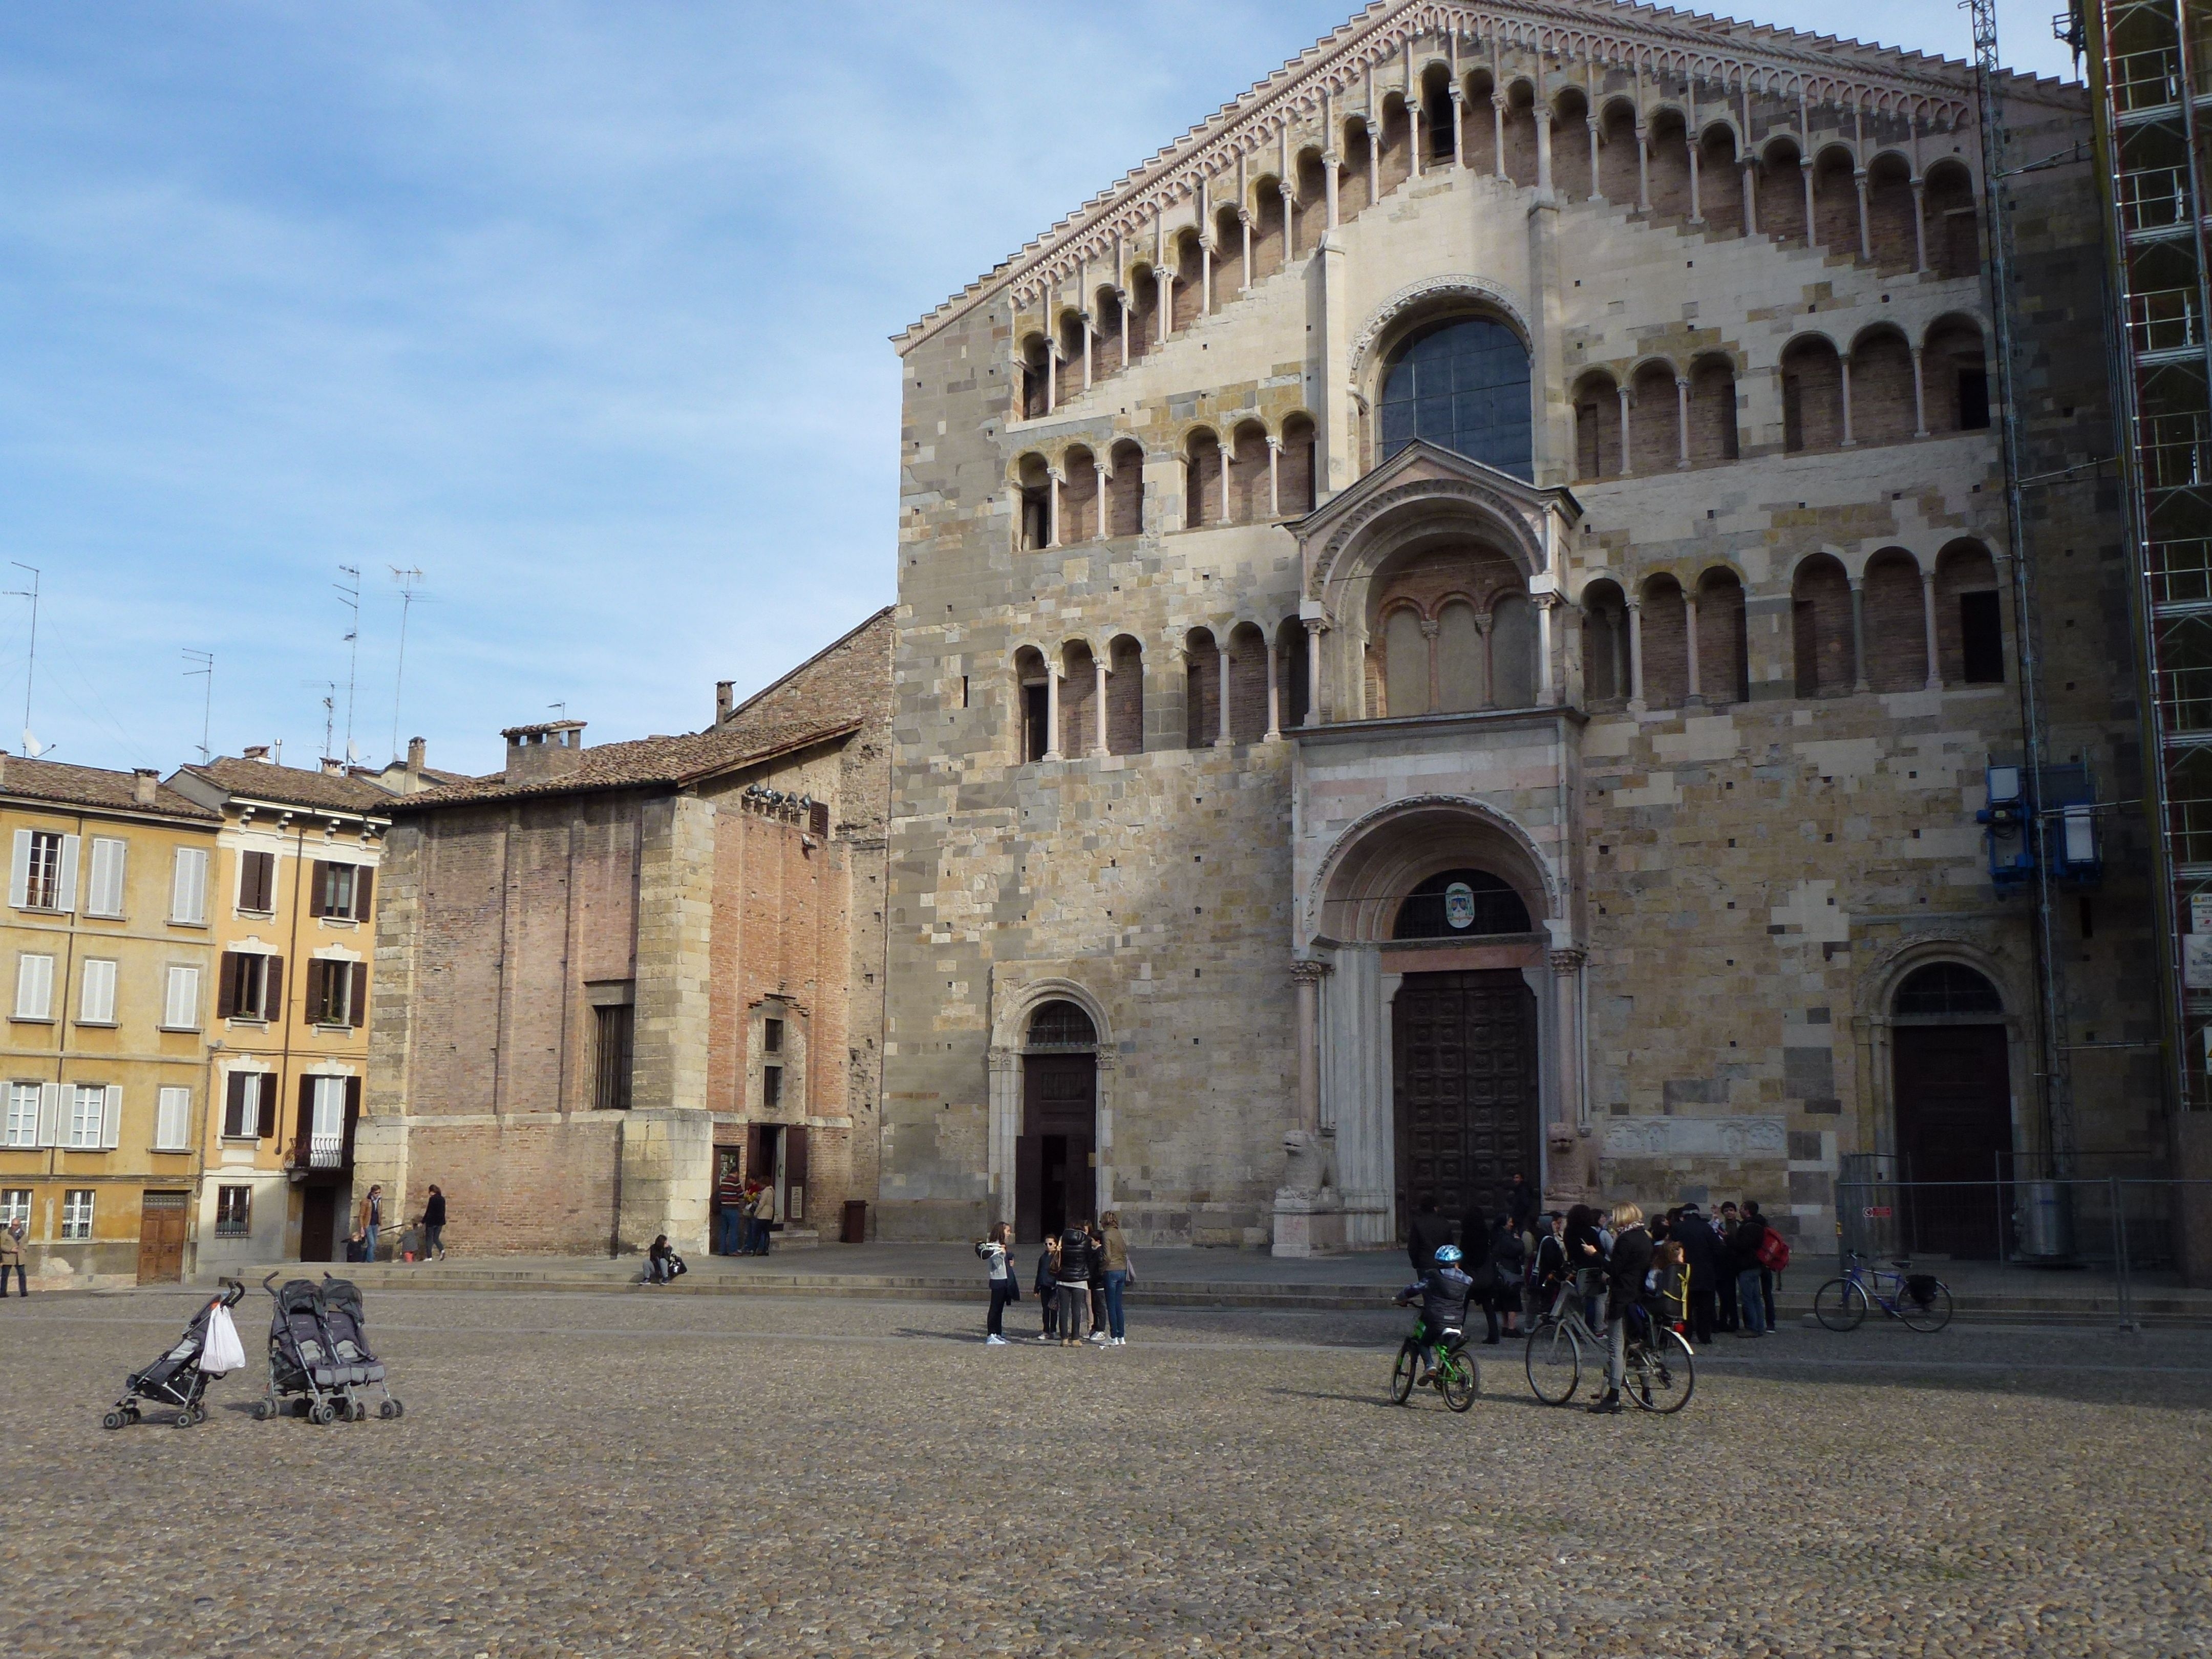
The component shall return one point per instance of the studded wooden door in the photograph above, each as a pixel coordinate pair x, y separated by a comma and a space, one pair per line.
1055, 1176
1466, 1088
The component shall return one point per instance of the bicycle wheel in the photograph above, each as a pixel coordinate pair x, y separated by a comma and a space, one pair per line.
1553, 1360
1840, 1305
1932, 1315
1663, 1375
1403, 1373
1461, 1383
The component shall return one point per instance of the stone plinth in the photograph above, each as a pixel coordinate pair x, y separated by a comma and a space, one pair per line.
1309, 1222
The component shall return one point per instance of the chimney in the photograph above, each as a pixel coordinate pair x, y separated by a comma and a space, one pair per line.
536, 753
333, 767
723, 699
144, 781
416, 750
258, 751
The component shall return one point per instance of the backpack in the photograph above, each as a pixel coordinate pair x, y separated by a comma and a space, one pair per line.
1773, 1251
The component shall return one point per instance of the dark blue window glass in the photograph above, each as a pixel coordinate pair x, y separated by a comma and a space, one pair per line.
1463, 386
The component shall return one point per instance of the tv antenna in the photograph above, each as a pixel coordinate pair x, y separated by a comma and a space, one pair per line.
350, 596
32, 746
203, 667
409, 579
329, 712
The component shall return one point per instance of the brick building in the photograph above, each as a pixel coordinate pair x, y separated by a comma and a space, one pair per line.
1458, 619
605, 973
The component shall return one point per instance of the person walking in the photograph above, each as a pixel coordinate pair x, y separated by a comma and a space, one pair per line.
1005, 1287
1757, 1317
1626, 1264
730, 1194
11, 1256
433, 1227
1119, 1275
1047, 1291
1701, 1262
1073, 1274
1424, 1232
371, 1220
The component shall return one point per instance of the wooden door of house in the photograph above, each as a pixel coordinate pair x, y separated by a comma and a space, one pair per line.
319, 1222
1055, 1156
1954, 1120
1465, 1078
162, 1218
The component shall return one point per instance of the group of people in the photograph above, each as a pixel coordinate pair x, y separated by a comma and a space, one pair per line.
748, 1212
1081, 1275
361, 1242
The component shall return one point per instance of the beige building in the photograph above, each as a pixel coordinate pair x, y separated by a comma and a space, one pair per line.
108, 944
1457, 620
292, 906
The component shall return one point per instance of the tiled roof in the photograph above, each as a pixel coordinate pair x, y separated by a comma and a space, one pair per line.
23, 779
291, 786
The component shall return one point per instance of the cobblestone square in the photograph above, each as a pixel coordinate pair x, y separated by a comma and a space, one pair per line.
664, 1474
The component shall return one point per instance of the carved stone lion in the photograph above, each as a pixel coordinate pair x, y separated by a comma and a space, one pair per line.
1572, 1176
1309, 1161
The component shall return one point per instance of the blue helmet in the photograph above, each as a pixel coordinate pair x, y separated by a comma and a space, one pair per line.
1447, 1255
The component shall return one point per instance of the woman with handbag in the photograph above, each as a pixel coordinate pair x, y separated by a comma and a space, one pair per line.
1119, 1275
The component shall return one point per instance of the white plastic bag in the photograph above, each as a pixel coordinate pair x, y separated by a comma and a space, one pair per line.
221, 1351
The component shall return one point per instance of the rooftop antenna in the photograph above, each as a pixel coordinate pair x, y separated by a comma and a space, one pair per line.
203, 667
407, 579
329, 712
351, 597
560, 710
32, 746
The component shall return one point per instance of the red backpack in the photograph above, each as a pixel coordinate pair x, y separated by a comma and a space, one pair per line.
1773, 1251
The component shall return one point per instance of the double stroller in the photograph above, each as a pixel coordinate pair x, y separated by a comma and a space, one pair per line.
318, 1355
176, 1379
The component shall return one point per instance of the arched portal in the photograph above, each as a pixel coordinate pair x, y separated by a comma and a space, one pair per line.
1056, 1153
1953, 1089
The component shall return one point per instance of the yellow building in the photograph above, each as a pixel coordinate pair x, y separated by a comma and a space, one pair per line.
291, 902
110, 964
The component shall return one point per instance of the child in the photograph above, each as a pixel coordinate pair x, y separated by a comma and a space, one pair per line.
1047, 1287
1670, 1286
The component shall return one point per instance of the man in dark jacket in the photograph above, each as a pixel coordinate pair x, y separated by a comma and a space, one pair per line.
433, 1227
1750, 1277
1072, 1275
1521, 1206
1701, 1255
1426, 1232
1625, 1265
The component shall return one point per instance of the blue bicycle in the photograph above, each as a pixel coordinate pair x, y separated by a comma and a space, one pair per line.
1922, 1301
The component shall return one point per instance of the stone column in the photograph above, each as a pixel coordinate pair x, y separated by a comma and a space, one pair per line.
1635, 656
1458, 126
1103, 1189
1331, 165
1812, 225
1489, 678
1122, 304
1697, 213
1567, 965
1244, 276
1642, 165
1545, 679
1866, 238
1098, 704
1623, 429
1497, 132
1919, 224
1104, 474
1274, 695
1228, 458
1313, 628
1858, 634
1750, 195
1919, 398
1844, 362
1413, 137
1541, 115
1221, 660
1166, 279
1308, 974
1053, 477
1205, 271
1088, 331
1928, 617
1690, 642
1052, 711
1004, 1130
1430, 630
1290, 220
1682, 417
1274, 476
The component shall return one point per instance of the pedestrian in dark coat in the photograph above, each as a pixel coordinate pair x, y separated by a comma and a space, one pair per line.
1424, 1232
1625, 1267
1521, 1206
1701, 1258
1509, 1263
1756, 1313
1048, 1290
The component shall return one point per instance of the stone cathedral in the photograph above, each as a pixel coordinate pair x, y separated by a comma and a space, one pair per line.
1458, 621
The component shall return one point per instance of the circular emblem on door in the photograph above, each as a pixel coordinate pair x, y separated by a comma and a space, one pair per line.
1459, 905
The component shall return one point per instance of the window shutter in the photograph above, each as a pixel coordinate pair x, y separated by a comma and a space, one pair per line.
307, 1107
96, 1004
111, 1119
181, 1012
226, 987
19, 872
171, 1121
352, 1102
50, 1115
358, 1004
35, 987
318, 976
65, 889
104, 896
363, 879
315, 878
235, 1106
188, 890
272, 990
267, 1091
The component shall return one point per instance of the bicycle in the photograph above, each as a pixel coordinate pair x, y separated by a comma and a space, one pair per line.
1456, 1375
1921, 1301
1659, 1372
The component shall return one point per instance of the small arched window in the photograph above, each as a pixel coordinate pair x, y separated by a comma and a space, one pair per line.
1061, 1024
1460, 904
1947, 987
1462, 384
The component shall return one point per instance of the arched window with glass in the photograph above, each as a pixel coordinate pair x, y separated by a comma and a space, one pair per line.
1462, 384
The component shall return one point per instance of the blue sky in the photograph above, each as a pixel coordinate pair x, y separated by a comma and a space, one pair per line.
581, 309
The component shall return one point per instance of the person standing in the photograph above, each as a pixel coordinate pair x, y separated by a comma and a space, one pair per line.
1424, 1232
1005, 1287
1047, 1291
1521, 1206
1758, 1318
1072, 1274
729, 1193
372, 1220
11, 1255
1626, 1264
1701, 1260
1509, 1265
763, 1216
1724, 1269
433, 1227
1119, 1275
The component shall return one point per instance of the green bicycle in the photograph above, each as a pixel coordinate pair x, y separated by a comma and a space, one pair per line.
1456, 1375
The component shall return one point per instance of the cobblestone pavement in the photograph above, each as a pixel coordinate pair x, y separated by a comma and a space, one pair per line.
660, 1474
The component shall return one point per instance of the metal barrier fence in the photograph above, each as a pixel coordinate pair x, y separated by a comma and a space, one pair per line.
2100, 1243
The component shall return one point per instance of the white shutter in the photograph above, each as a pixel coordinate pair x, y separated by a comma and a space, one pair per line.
188, 891
181, 1009
35, 987
104, 896
65, 890
50, 1115
96, 1004
111, 1118
171, 1120
19, 872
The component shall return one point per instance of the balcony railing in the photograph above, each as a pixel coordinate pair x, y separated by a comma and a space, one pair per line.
319, 1151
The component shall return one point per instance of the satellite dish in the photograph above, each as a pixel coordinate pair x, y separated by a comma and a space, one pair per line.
32, 746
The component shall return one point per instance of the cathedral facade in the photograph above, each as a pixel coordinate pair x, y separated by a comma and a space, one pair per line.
1458, 621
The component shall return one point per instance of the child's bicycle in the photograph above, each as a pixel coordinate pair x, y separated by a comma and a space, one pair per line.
1921, 1301
1455, 1376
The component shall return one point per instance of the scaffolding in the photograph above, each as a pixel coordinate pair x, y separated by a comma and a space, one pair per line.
2149, 65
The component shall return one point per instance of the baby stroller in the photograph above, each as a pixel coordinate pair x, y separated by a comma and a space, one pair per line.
341, 1306
303, 1361
175, 1379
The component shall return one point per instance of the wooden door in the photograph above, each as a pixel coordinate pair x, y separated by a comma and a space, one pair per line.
1055, 1179
1953, 1117
319, 1223
1465, 1078
794, 1204
162, 1219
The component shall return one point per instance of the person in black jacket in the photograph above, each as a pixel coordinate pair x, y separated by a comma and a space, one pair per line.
1585, 1253
1444, 1291
1750, 1277
1509, 1261
1549, 1269
433, 1227
1073, 1274
1625, 1267
1701, 1255
1424, 1232
1521, 1206
1047, 1291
